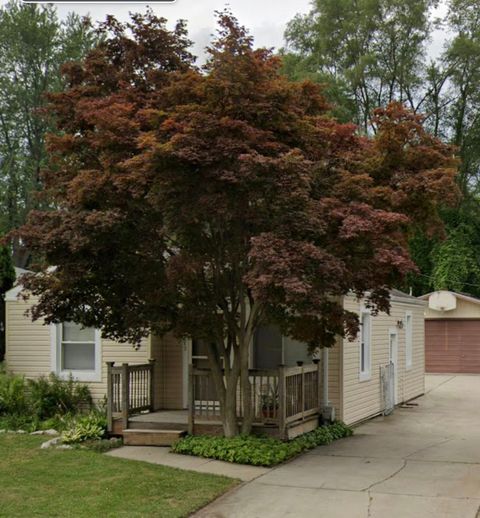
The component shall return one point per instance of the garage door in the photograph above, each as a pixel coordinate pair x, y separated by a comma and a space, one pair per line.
452, 346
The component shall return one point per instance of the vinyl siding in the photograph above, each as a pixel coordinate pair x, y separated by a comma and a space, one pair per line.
335, 378
28, 348
168, 353
363, 399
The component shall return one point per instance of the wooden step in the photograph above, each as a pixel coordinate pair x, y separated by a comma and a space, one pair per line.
139, 437
152, 425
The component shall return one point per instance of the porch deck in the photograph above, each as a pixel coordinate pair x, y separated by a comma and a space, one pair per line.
162, 417
285, 402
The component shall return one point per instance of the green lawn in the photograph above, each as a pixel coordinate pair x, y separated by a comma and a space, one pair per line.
77, 483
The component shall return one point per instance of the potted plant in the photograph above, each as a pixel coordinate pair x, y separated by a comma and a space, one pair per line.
269, 405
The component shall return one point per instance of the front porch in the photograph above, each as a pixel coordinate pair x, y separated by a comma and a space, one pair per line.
286, 402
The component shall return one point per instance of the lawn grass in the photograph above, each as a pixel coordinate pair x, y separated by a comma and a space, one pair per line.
77, 483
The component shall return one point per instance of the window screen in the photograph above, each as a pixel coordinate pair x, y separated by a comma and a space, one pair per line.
77, 347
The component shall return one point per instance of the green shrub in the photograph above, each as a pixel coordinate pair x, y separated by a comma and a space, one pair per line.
42, 403
53, 396
14, 398
90, 427
258, 451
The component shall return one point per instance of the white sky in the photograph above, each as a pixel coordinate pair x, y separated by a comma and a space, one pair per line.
265, 19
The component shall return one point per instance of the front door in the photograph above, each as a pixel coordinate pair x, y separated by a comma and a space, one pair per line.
393, 355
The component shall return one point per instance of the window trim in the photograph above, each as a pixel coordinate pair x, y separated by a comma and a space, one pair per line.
77, 375
366, 374
408, 340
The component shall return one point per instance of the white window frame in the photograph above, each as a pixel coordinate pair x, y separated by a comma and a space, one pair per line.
56, 358
408, 340
366, 374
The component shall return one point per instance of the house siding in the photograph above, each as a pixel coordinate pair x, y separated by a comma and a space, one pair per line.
335, 378
168, 352
28, 348
363, 399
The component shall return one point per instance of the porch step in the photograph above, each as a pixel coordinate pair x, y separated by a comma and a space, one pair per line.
139, 437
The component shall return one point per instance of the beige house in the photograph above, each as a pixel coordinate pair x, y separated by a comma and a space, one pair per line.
347, 379
452, 333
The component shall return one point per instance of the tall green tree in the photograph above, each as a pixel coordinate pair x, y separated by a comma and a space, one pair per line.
7, 279
368, 52
34, 43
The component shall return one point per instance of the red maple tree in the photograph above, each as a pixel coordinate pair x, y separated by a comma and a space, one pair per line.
210, 201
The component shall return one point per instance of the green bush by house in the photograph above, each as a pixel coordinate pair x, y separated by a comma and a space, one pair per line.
41, 403
90, 427
258, 451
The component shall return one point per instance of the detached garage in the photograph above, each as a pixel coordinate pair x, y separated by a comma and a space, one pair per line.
452, 333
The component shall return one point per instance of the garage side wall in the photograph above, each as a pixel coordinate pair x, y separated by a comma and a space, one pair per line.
363, 398
29, 345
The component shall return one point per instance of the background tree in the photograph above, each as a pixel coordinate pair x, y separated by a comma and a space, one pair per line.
210, 202
7, 279
369, 51
380, 53
33, 45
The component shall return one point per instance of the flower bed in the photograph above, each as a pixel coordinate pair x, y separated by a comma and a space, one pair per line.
258, 451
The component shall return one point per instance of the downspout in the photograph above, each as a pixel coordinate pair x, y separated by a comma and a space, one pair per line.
328, 411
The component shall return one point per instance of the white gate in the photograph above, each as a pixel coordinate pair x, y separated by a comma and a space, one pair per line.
387, 380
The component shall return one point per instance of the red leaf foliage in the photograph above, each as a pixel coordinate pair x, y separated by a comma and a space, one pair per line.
178, 193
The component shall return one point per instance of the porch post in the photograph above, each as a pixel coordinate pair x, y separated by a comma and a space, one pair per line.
282, 403
109, 396
316, 362
125, 394
191, 400
303, 392
325, 376
151, 361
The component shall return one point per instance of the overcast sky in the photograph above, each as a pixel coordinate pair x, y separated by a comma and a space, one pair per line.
266, 19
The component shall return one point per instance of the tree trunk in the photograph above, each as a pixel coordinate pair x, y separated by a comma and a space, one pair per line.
230, 421
225, 383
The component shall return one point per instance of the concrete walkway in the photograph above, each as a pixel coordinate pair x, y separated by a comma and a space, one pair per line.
420, 462
158, 455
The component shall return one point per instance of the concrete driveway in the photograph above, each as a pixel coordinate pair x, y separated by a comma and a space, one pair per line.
422, 461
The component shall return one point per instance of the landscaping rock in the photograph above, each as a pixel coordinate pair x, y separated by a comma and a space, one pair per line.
50, 443
64, 447
20, 431
51, 431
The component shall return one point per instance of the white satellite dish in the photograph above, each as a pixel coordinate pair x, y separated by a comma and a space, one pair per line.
442, 301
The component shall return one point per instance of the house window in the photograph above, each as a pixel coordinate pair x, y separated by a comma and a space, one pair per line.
271, 349
408, 339
365, 345
76, 352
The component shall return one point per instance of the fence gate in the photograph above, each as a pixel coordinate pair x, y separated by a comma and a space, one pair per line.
387, 380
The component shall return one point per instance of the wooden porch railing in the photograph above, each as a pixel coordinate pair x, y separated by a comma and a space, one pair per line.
129, 391
280, 397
